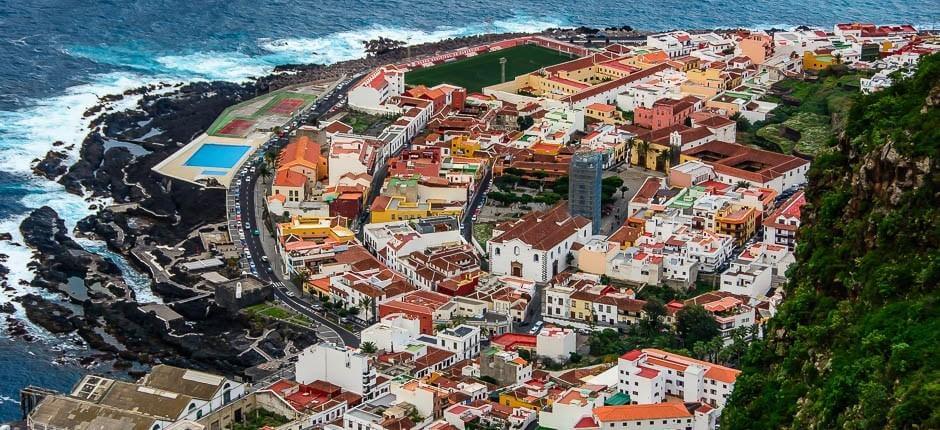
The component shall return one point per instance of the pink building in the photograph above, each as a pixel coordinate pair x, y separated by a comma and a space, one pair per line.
665, 113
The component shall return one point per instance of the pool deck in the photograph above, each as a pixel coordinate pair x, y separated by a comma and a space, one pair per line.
175, 166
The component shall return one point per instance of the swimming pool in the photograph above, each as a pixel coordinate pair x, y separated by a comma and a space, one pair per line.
217, 156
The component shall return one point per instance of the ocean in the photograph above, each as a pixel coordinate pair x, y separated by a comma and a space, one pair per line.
58, 56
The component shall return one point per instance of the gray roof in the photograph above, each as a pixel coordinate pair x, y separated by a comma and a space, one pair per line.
62, 412
192, 383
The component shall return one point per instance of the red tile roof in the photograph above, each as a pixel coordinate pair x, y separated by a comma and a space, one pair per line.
544, 230
657, 411
287, 178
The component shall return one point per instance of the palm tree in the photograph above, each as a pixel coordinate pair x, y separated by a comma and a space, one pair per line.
368, 305
301, 279
368, 347
742, 184
623, 191
264, 171
643, 150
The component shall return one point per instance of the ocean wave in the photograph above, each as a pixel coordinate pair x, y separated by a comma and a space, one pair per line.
348, 45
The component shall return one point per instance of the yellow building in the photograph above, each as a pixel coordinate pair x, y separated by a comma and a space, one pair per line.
704, 83
604, 113
649, 155
736, 220
817, 62
315, 228
582, 306
464, 147
396, 208
519, 398
593, 256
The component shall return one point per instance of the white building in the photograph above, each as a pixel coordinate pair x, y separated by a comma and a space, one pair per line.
346, 368
661, 416
536, 247
675, 43
463, 340
556, 343
781, 225
422, 396
393, 333
635, 266
752, 273
649, 375
390, 241
351, 154
570, 408
373, 90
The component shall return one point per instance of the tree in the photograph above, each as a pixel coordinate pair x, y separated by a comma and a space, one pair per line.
300, 279
264, 171
623, 191
643, 149
654, 311
742, 184
524, 122
368, 305
695, 324
574, 357
368, 347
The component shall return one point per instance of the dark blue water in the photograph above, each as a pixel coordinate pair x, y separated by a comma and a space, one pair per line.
58, 56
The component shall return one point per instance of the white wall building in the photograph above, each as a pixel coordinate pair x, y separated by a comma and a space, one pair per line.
375, 88
463, 340
556, 343
337, 365
675, 43
536, 247
649, 375
393, 333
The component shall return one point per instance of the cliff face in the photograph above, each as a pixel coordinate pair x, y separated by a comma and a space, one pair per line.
855, 345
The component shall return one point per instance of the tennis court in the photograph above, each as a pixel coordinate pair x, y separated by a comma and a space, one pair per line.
286, 106
236, 128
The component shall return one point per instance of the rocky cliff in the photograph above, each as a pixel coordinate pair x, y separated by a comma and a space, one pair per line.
854, 346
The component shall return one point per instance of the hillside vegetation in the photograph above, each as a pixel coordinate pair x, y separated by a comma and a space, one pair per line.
815, 109
855, 345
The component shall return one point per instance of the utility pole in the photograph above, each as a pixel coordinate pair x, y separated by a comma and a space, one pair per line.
502, 66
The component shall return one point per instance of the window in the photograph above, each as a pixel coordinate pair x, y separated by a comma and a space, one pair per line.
535, 257
497, 251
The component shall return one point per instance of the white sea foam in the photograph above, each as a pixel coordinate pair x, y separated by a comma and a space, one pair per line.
222, 66
349, 45
28, 134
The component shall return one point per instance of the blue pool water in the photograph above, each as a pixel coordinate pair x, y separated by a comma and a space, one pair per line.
217, 156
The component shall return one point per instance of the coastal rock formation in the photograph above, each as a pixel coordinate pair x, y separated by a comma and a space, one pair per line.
52, 165
59, 256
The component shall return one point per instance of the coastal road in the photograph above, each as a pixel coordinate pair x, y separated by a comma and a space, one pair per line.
247, 203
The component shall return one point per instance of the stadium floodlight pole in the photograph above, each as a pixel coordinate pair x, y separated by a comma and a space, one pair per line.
502, 65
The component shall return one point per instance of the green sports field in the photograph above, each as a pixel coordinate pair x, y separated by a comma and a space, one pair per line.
482, 70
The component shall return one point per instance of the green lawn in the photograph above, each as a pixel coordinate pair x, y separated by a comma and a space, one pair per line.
272, 311
361, 121
483, 70
483, 232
